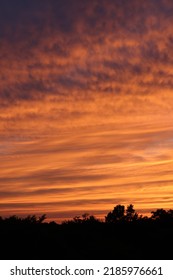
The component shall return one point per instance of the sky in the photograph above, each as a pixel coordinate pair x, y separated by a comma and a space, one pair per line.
86, 98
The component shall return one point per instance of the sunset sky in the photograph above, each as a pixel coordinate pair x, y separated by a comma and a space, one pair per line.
86, 106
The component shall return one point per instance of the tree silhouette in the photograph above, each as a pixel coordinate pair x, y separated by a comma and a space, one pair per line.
77, 220
41, 219
116, 215
85, 216
15, 220
159, 214
131, 214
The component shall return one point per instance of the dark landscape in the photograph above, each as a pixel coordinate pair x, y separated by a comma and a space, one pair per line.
123, 235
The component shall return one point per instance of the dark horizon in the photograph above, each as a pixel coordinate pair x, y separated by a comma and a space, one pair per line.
159, 213
124, 235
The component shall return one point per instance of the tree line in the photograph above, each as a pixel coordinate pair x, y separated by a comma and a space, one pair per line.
122, 234
118, 215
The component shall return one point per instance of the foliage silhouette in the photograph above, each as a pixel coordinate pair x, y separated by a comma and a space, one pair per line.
14, 220
123, 235
118, 214
84, 219
131, 214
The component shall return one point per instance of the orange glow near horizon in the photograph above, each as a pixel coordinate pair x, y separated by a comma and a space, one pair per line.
86, 109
